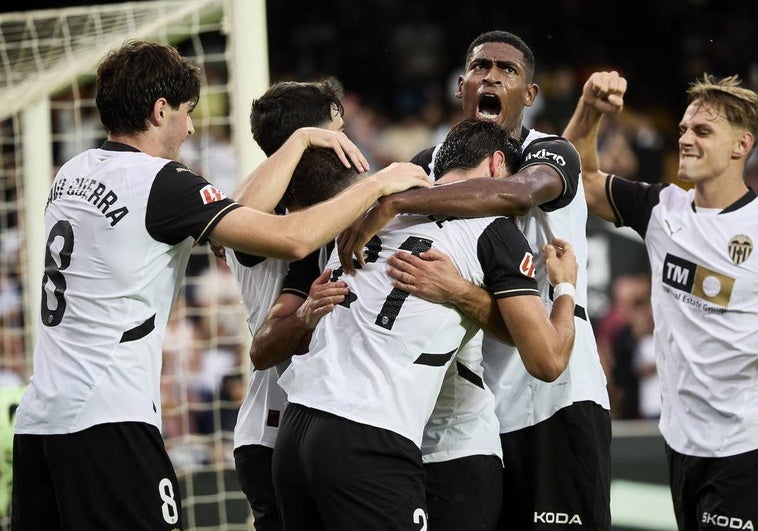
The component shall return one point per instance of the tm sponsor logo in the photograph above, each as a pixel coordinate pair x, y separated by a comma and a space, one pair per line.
545, 517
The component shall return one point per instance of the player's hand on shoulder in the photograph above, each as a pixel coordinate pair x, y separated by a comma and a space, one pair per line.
560, 262
605, 91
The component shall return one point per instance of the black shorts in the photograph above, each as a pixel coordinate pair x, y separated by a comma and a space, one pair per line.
110, 476
331, 473
558, 472
253, 464
714, 492
464, 493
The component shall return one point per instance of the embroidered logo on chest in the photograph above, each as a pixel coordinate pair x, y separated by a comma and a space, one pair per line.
740, 248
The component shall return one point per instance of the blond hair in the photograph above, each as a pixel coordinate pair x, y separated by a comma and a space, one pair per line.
739, 104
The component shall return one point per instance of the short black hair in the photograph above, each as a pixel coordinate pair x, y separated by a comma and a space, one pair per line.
470, 142
507, 38
320, 175
130, 79
290, 105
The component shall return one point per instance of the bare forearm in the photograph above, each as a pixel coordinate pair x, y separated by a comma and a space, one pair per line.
562, 318
544, 342
264, 186
582, 131
277, 340
470, 198
478, 305
324, 221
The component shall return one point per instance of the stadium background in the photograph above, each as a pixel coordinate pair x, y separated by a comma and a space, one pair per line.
398, 61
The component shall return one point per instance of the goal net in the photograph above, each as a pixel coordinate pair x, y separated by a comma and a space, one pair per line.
48, 60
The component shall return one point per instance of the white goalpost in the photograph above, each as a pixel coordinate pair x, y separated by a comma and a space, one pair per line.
48, 59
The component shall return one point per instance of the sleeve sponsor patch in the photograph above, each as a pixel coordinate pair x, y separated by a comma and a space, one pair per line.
527, 265
211, 194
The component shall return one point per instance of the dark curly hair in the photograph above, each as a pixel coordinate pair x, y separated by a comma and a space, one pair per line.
130, 79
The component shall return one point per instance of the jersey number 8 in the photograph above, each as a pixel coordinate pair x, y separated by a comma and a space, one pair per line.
62, 229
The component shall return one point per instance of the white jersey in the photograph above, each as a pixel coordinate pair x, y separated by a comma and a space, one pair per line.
463, 422
379, 358
523, 400
705, 306
520, 399
260, 282
259, 285
120, 225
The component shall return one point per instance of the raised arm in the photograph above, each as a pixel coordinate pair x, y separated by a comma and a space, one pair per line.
264, 186
602, 93
295, 235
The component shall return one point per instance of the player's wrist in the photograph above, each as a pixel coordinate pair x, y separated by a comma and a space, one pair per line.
564, 288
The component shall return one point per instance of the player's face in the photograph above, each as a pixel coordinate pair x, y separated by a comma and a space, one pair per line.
178, 126
706, 143
495, 85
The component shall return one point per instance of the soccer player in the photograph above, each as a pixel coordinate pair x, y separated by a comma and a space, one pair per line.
274, 284
120, 222
700, 245
348, 454
541, 423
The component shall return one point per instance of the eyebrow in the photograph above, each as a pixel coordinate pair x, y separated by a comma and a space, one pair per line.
500, 64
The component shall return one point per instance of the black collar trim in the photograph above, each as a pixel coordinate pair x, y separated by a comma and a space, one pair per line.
117, 146
524, 134
741, 202
749, 196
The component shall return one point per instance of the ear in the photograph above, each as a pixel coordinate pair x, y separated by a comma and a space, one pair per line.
159, 111
532, 89
744, 145
497, 164
459, 90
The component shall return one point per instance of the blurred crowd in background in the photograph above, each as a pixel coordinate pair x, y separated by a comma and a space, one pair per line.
399, 66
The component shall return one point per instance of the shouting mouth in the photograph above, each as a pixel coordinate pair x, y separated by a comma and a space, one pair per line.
489, 107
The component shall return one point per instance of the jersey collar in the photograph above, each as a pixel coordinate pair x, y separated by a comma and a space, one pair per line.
741, 202
117, 146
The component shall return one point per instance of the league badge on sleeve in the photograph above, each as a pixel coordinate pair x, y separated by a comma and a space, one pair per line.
527, 265
211, 194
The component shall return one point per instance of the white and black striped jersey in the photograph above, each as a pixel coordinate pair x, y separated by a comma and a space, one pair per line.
120, 225
260, 282
705, 307
522, 400
379, 357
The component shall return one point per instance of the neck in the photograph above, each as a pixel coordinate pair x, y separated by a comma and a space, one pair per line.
456, 175
141, 142
719, 193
